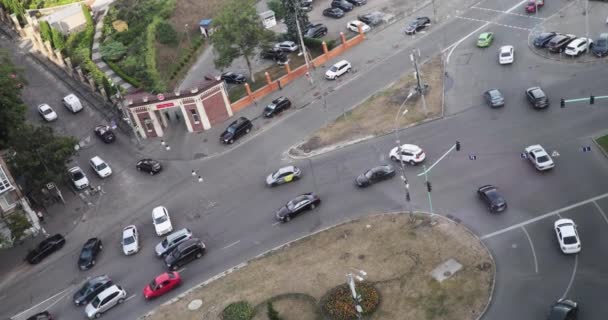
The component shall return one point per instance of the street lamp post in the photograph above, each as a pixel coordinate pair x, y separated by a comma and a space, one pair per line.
406, 185
350, 280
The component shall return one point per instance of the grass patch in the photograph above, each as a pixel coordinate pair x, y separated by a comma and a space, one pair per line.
603, 142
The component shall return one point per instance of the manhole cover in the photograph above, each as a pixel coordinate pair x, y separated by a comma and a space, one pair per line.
195, 304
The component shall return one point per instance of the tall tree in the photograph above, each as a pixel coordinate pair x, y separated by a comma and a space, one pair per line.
293, 9
239, 32
12, 109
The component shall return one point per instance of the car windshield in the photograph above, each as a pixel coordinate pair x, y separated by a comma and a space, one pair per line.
505, 54
96, 302
77, 175
129, 240
153, 285
86, 253
368, 174
231, 129
271, 106
84, 289
101, 166
334, 69
542, 159
47, 111
570, 240
413, 24
538, 94
160, 219
291, 204
601, 43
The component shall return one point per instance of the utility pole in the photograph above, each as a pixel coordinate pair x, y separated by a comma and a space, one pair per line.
306, 60
587, 23
428, 189
406, 184
420, 86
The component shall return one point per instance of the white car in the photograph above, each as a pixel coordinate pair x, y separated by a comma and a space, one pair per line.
288, 46
410, 153
578, 46
354, 26
338, 69
105, 300
130, 240
539, 157
565, 230
79, 179
47, 112
101, 167
72, 103
161, 221
506, 55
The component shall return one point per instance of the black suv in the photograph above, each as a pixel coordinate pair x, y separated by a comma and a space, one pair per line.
277, 106
559, 43
275, 54
235, 130
149, 165
342, 4
495, 202
333, 13
234, 78
187, 251
417, 25
105, 133
563, 310
543, 39
357, 2
45, 248
537, 97
316, 31
88, 254
91, 289
600, 47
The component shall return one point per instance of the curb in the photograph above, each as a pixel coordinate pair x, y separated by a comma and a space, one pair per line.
594, 138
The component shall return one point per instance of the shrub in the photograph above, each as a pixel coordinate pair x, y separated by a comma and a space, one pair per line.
278, 8
18, 224
272, 313
112, 50
338, 303
134, 82
45, 31
165, 33
240, 310
58, 39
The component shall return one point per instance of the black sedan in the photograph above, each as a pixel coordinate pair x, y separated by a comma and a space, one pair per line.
537, 98
342, 4
371, 19
105, 134
333, 13
316, 31
148, 165
495, 202
88, 254
91, 289
543, 39
299, 204
234, 78
357, 3
417, 25
45, 248
374, 175
277, 106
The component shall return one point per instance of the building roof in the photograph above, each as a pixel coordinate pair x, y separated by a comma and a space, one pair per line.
267, 14
205, 22
137, 99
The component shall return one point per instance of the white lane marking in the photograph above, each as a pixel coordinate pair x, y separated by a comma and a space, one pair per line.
514, 14
571, 277
601, 211
436, 162
181, 270
129, 298
494, 23
533, 251
555, 212
44, 301
232, 244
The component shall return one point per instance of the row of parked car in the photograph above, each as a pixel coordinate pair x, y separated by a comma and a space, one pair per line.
572, 45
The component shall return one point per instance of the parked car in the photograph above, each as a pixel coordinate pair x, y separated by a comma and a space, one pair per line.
418, 24
78, 178
235, 130
44, 315
537, 98
559, 42
89, 252
185, 252
91, 288
485, 39
357, 3
275, 54
567, 236
172, 241
100, 167
46, 112
600, 48
288, 46
130, 240
342, 4
45, 248
374, 175
371, 19
161, 221
492, 198
578, 46
233, 78
494, 98
316, 31
532, 5
162, 284
543, 39
277, 106
306, 6
299, 204
283, 175
563, 309
149, 165
409, 153
539, 157
72, 103
105, 300
105, 134
354, 26
339, 68
506, 55
333, 13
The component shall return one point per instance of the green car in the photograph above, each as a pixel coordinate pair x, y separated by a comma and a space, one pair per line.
485, 39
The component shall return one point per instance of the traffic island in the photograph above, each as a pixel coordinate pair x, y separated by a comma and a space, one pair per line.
415, 267
376, 115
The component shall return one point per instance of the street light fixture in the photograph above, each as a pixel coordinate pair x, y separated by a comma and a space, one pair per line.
350, 281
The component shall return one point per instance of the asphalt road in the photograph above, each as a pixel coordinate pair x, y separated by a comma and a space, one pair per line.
232, 211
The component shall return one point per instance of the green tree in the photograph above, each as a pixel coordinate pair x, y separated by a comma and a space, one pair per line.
39, 156
165, 33
112, 50
58, 39
12, 109
293, 9
18, 224
272, 313
239, 33
277, 7
45, 31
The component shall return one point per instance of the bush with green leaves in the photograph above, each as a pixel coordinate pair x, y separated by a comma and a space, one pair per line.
45, 30
272, 313
18, 224
58, 39
338, 303
240, 310
278, 8
112, 50
165, 33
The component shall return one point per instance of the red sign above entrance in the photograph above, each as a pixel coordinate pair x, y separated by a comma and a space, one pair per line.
164, 105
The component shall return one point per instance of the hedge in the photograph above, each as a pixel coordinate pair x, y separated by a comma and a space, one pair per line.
134, 82
240, 310
156, 84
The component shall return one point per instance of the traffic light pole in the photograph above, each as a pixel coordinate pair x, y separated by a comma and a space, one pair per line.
428, 189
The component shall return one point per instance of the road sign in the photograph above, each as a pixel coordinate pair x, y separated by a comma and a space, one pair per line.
586, 148
472, 157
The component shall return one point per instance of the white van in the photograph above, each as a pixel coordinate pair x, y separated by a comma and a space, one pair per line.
72, 103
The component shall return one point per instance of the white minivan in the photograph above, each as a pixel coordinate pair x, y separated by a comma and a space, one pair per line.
72, 102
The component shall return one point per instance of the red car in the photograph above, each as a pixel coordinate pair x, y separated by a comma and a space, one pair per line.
162, 284
532, 4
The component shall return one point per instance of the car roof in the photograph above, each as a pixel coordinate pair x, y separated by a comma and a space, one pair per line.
410, 147
178, 233
577, 41
96, 160
341, 62
109, 290
286, 169
70, 97
506, 48
188, 243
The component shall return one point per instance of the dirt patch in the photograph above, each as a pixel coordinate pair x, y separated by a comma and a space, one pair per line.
397, 254
371, 117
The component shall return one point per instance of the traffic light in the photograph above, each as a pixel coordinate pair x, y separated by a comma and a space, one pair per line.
591, 99
457, 145
407, 197
562, 103
428, 186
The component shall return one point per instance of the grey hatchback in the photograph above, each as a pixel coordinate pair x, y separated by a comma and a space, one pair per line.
494, 98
